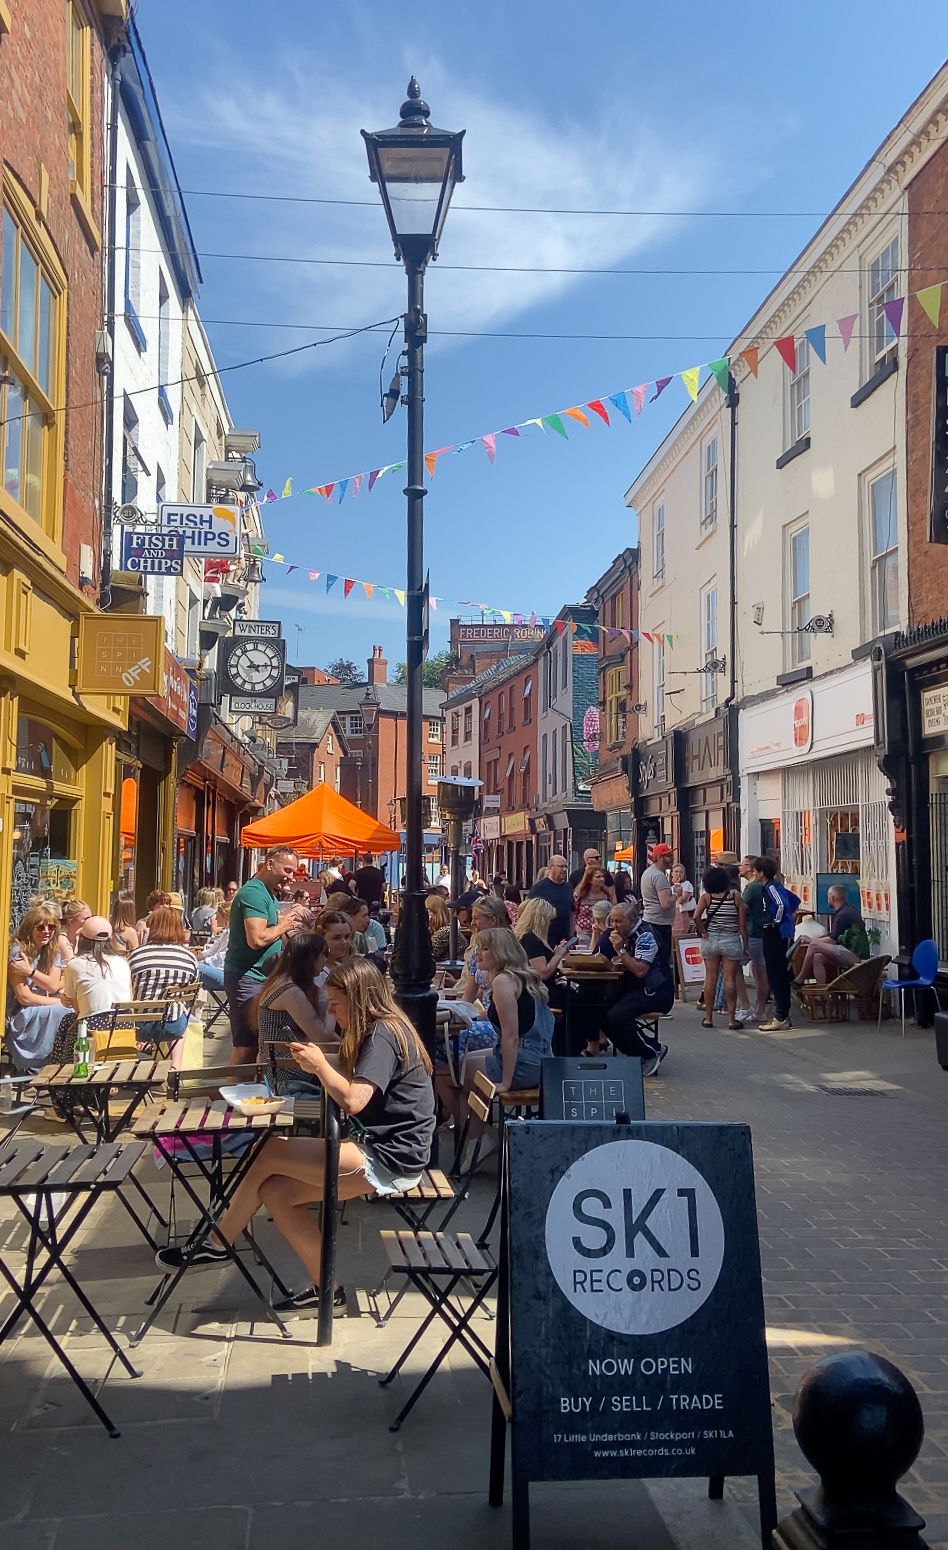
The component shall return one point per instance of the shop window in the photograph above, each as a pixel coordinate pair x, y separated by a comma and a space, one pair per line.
843, 840
938, 836
770, 838
41, 752
884, 539
32, 321
43, 860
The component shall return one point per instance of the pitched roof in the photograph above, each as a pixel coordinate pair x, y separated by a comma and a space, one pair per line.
491, 677
312, 726
348, 697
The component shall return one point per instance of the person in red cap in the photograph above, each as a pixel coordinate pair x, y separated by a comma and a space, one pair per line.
658, 901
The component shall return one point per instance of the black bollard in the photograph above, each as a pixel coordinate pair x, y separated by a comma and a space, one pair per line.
859, 1423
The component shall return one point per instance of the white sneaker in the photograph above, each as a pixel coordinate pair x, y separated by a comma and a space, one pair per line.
776, 1025
745, 1015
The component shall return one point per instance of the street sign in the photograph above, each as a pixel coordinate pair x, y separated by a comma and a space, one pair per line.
939, 511
120, 654
257, 629
152, 553
635, 1342
210, 531
592, 1090
252, 704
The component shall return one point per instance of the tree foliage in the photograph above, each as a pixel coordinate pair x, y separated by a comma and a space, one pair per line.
433, 669
345, 670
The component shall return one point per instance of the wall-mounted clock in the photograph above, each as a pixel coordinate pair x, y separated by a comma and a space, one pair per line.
251, 666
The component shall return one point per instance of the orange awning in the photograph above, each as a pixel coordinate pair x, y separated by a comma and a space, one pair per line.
318, 824
626, 854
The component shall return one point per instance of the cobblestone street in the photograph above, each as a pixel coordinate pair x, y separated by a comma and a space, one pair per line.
232, 1436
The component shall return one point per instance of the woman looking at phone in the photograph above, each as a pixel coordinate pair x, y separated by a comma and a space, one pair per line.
292, 1007
383, 1083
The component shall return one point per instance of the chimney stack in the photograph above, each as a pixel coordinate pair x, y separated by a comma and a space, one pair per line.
378, 667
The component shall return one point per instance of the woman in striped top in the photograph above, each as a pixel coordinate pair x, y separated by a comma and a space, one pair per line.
163, 962
721, 922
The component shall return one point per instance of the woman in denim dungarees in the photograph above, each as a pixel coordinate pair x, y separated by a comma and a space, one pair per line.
519, 1012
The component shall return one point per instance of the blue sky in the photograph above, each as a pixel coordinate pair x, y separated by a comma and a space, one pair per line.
602, 106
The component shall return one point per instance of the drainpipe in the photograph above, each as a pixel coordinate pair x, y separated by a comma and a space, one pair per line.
732, 400
116, 54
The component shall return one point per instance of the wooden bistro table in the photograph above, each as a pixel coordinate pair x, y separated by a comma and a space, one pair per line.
189, 1123
585, 987
84, 1102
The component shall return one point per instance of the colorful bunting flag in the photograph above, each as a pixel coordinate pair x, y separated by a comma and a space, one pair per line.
367, 588
787, 350
489, 443
930, 301
356, 484
751, 358
287, 490
817, 340
598, 407
846, 326
690, 379
660, 387
577, 414
400, 596
431, 461
893, 311
638, 396
621, 401
373, 476
331, 582
512, 430
343, 487
554, 421
721, 371
347, 586
279, 559
313, 575
290, 569
271, 495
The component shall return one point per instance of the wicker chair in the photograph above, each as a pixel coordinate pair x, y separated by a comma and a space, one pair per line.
859, 984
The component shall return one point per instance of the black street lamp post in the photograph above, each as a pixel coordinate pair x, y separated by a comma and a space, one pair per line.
416, 167
369, 708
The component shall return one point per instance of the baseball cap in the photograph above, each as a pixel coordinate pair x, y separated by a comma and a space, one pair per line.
662, 850
96, 929
465, 901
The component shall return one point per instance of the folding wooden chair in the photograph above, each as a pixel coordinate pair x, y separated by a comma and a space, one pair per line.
435, 1264
130, 1016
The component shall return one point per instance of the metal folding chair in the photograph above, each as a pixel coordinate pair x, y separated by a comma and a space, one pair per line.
54, 1188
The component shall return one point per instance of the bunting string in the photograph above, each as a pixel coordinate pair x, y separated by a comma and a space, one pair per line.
373, 590
628, 403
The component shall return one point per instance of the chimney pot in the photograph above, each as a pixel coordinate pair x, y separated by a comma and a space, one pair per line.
378, 667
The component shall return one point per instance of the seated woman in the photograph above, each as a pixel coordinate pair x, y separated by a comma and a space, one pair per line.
97, 979
34, 982
439, 926
164, 962
74, 913
512, 901
293, 1008
357, 913
155, 901
601, 911
384, 1084
474, 985
590, 890
532, 931
336, 931
122, 920
211, 962
519, 1013
208, 902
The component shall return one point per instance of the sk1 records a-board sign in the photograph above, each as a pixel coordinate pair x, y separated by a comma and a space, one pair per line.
635, 1343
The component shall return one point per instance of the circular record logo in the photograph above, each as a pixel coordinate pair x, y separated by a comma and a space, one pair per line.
634, 1237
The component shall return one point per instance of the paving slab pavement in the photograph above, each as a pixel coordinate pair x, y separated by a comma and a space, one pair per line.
233, 1436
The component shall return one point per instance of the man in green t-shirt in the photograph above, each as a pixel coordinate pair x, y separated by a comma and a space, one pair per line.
256, 935
753, 896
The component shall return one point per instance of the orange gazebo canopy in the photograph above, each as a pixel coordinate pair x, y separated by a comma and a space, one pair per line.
318, 824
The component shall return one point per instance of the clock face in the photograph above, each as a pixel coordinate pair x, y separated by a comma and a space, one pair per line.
255, 667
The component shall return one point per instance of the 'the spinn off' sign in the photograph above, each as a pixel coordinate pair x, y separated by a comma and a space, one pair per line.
637, 1321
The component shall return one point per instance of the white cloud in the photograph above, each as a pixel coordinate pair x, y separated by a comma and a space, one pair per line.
301, 139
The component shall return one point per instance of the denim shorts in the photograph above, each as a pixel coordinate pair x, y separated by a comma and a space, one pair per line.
381, 1178
526, 1072
722, 947
755, 947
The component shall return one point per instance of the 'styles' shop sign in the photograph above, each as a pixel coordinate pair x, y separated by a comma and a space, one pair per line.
637, 1318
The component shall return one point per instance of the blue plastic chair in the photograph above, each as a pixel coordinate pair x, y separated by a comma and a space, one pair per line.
925, 964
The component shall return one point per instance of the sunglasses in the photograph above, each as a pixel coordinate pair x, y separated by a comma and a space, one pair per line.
46, 927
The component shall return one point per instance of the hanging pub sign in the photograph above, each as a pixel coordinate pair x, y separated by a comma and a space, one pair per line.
120, 654
211, 531
635, 1341
151, 553
939, 511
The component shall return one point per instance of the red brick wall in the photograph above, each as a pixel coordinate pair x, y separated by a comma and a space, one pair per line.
615, 653
928, 261
33, 133
512, 742
390, 761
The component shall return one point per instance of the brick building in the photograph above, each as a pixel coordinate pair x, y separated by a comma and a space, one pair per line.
615, 596
911, 666
373, 773
508, 765
57, 780
315, 751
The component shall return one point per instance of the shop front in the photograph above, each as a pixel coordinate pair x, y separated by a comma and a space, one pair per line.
148, 782
223, 787
710, 818
815, 798
912, 747
517, 848
57, 753
654, 799
609, 789
487, 862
